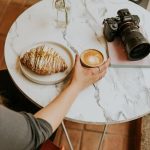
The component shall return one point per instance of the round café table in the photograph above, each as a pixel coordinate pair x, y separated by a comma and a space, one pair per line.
122, 95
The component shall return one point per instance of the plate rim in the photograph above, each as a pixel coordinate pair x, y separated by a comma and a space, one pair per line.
24, 68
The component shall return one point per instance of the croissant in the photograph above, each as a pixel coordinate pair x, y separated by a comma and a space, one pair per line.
43, 61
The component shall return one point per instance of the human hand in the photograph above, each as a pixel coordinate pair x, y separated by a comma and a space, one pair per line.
83, 77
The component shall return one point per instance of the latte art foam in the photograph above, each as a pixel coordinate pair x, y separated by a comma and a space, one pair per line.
92, 58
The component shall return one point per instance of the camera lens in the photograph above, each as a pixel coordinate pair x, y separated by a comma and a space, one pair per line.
140, 51
136, 45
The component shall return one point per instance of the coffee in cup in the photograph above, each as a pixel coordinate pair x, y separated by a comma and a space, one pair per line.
91, 58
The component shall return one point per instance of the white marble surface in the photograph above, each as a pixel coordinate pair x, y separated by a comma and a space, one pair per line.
122, 95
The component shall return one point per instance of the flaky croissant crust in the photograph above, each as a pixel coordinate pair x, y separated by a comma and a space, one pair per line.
43, 60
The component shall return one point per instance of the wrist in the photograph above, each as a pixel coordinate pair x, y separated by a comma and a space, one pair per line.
74, 87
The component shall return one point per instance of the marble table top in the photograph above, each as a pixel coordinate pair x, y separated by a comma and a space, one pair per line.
122, 95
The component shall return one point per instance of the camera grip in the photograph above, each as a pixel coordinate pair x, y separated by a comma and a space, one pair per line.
110, 29
108, 33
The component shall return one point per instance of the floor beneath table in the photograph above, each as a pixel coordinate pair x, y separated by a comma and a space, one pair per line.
125, 136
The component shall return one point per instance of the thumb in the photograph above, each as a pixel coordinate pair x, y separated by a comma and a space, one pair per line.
77, 60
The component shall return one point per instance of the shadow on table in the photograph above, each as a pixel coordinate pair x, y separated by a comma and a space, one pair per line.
13, 98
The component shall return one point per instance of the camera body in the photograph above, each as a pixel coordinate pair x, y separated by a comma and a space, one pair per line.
126, 26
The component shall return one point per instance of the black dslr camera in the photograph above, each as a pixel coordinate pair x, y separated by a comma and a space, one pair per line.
126, 26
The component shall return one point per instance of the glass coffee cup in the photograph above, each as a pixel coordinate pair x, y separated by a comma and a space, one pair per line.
91, 58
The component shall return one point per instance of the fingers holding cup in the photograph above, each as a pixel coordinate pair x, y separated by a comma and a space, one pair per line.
91, 58
94, 62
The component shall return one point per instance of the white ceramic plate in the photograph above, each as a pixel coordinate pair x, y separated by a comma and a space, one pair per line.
53, 78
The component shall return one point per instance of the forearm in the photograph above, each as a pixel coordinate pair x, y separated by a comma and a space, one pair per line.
82, 78
57, 109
